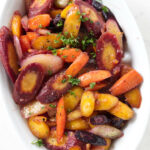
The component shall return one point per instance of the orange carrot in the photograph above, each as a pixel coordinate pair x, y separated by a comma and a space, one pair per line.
32, 35
127, 82
97, 86
25, 43
60, 119
69, 54
39, 21
93, 76
16, 24
78, 64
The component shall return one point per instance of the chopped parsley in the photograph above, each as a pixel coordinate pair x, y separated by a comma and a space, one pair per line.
92, 85
40, 26
69, 110
105, 9
54, 51
56, 41
48, 33
38, 143
72, 93
93, 54
42, 107
88, 40
49, 72
83, 18
60, 23
52, 106
72, 41
50, 48
66, 133
65, 56
64, 80
73, 81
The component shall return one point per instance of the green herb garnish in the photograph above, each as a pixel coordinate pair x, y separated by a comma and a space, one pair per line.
54, 51
48, 33
73, 81
42, 107
40, 26
64, 80
66, 133
38, 143
52, 106
93, 54
92, 85
69, 110
60, 23
72, 93
88, 40
49, 72
105, 9
72, 41
64, 56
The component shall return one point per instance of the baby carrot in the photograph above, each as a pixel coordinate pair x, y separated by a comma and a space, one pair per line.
78, 64
93, 76
60, 119
69, 54
39, 21
127, 82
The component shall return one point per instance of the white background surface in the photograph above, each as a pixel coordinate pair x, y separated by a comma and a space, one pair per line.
141, 12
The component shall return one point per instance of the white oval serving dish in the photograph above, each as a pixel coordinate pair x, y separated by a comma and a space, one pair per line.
135, 129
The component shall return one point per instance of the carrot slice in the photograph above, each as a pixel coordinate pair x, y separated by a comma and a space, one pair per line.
93, 76
16, 24
69, 54
127, 82
78, 64
32, 35
25, 43
39, 21
60, 119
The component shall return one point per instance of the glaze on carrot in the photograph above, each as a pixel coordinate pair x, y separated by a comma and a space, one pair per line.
127, 82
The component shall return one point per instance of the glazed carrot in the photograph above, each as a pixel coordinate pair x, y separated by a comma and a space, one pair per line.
122, 111
32, 35
16, 24
69, 54
60, 119
39, 21
66, 10
96, 87
127, 82
25, 43
93, 76
134, 97
78, 64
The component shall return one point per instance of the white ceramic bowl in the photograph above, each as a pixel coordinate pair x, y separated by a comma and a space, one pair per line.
135, 129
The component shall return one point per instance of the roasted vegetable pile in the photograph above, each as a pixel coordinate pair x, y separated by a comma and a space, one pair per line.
65, 61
